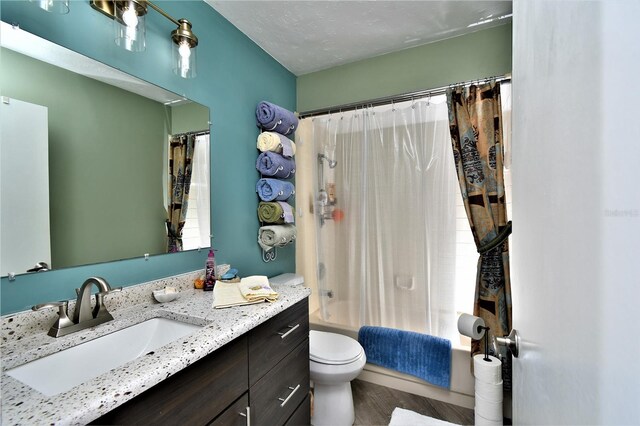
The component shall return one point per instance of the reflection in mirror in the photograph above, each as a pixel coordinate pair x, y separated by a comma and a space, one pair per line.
85, 160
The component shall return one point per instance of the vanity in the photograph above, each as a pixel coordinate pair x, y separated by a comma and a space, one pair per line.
243, 365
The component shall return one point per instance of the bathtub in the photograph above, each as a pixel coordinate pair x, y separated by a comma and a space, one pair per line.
462, 382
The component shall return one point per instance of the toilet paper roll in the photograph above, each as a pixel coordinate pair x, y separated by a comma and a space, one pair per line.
487, 371
489, 391
488, 409
469, 325
481, 421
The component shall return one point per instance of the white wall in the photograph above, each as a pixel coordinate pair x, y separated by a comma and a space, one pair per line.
576, 211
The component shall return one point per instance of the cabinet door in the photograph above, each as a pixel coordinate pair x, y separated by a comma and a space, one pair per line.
276, 396
193, 396
274, 339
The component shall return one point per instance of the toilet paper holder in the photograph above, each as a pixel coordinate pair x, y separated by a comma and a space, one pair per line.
511, 342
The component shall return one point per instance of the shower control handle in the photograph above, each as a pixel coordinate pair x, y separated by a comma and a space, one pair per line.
285, 400
291, 329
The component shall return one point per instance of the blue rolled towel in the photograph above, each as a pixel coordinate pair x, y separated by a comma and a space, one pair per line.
275, 165
421, 355
274, 189
274, 118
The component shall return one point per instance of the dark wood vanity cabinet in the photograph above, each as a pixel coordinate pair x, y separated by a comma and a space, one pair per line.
266, 370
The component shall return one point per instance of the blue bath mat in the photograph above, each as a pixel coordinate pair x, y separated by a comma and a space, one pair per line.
426, 357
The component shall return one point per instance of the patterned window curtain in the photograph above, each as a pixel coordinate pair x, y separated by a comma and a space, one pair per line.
181, 149
475, 124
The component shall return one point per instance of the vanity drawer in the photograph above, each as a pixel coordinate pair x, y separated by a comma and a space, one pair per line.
193, 396
302, 415
273, 340
236, 415
277, 395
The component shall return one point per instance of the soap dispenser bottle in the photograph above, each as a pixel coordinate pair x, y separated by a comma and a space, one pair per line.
210, 272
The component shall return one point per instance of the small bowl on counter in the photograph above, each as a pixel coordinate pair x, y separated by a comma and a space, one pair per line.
165, 295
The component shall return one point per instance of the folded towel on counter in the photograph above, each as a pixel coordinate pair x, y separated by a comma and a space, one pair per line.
275, 212
227, 294
274, 118
257, 288
271, 236
421, 355
402, 417
274, 189
273, 164
275, 142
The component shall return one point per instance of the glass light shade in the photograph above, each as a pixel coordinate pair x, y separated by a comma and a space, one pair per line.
130, 28
54, 6
184, 59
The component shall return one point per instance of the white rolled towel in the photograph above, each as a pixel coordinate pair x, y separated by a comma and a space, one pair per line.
271, 236
275, 142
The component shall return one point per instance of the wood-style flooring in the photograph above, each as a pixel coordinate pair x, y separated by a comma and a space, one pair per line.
374, 405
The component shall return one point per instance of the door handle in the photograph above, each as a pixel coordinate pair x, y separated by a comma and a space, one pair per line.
511, 342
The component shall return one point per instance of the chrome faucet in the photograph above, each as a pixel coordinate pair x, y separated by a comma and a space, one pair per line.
83, 315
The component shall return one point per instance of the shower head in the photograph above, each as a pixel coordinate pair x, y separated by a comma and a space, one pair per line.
332, 163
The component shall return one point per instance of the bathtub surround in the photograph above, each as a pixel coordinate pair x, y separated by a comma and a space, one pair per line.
233, 76
24, 339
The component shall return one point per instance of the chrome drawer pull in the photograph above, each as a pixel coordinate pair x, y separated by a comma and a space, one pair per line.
285, 400
291, 328
247, 415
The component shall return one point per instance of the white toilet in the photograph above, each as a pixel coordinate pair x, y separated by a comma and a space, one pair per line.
335, 360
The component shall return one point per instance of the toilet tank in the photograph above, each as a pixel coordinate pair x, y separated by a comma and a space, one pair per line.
287, 279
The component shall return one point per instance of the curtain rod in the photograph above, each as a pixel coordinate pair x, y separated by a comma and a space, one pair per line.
195, 133
401, 97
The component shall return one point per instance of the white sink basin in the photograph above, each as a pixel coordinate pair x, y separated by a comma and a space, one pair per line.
62, 371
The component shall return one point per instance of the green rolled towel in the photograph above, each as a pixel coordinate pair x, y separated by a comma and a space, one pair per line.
270, 212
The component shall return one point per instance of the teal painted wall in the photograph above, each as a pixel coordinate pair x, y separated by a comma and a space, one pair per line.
234, 74
105, 169
481, 54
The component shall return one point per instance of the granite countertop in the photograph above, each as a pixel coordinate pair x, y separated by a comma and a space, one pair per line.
23, 405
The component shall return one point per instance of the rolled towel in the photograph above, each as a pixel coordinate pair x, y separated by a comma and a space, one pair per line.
273, 164
275, 212
274, 189
271, 236
275, 142
274, 118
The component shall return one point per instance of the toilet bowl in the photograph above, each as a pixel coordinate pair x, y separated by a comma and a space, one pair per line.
334, 361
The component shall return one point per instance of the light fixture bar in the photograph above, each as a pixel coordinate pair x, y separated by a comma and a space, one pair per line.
162, 12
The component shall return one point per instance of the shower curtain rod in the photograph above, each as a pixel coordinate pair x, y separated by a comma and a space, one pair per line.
196, 133
400, 98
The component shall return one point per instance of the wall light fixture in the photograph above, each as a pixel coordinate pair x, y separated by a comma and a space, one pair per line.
129, 23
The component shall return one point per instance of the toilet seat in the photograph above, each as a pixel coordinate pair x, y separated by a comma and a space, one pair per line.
333, 349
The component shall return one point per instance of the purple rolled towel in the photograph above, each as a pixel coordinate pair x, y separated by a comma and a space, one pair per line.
274, 189
275, 165
274, 118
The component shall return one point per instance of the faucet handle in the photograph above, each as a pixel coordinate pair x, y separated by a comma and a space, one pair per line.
41, 306
62, 321
100, 310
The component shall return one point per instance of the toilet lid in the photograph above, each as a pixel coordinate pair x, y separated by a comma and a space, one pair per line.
332, 348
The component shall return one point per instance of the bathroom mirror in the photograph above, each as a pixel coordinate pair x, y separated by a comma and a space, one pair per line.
85, 169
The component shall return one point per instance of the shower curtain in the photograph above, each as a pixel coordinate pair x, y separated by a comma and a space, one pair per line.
386, 216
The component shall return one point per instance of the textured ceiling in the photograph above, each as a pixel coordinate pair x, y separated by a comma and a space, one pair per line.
308, 36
